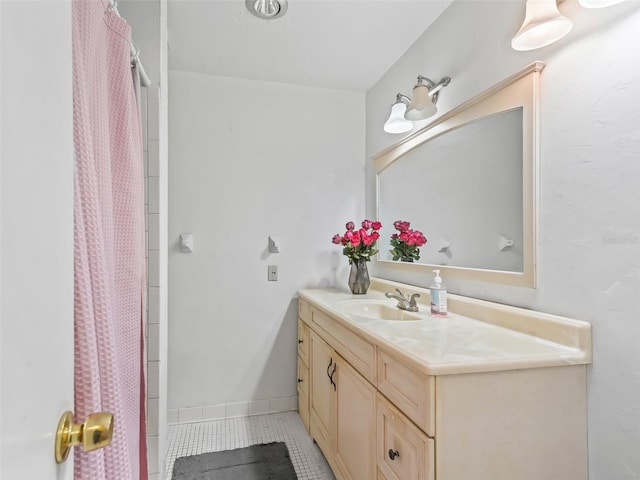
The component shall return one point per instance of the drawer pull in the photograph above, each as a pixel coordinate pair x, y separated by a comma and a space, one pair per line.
393, 454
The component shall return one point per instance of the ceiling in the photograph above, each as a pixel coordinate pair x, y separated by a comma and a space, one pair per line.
341, 44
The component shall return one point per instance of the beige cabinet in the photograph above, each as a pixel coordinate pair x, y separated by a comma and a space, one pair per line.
378, 414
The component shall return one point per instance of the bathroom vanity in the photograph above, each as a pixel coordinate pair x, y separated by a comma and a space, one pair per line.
492, 392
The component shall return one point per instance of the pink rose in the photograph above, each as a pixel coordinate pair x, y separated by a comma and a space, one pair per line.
376, 225
420, 239
337, 239
401, 225
366, 224
355, 239
394, 236
348, 235
375, 236
404, 236
350, 226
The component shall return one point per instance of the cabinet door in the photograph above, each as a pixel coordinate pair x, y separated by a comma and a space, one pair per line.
322, 394
355, 445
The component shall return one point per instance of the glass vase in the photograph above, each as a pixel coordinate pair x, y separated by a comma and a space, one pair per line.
359, 277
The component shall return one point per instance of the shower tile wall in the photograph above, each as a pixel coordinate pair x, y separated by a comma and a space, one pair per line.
150, 132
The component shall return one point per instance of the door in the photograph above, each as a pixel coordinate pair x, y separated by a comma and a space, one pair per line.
355, 424
36, 235
322, 394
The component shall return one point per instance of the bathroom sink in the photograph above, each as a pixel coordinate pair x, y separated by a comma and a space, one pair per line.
380, 310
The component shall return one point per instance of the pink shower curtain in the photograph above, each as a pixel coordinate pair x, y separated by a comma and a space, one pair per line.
109, 242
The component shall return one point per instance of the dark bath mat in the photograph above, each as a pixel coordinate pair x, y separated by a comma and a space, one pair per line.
266, 461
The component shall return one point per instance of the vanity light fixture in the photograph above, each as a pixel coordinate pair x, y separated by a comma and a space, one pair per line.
267, 9
424, 98
396, 122
543, 24
422, 105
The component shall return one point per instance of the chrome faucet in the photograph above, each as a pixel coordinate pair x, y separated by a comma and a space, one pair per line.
404, 303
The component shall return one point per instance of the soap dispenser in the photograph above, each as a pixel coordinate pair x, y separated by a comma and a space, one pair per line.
438, 296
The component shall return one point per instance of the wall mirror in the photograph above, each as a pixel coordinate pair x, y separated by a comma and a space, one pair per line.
468, 181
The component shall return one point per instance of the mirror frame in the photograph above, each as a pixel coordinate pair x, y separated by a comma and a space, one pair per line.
520, 90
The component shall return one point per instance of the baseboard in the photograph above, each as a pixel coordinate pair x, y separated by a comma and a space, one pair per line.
208, 413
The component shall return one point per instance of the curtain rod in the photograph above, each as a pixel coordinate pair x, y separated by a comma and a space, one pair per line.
135, 52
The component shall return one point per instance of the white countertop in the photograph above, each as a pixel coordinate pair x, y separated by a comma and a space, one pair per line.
457, 343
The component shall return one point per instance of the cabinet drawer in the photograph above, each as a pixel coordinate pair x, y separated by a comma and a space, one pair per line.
303, 393
411, 391
403, 451
304, 310
303, 341
355, 350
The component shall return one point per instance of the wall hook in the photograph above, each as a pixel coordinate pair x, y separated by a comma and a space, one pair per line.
186, 243
504, 243
444, 245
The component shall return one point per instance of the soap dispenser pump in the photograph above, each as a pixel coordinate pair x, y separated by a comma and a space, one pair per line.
438, 296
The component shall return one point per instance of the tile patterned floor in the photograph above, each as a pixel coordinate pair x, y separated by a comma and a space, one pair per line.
213, 436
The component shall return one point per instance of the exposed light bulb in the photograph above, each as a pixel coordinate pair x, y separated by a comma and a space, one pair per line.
267, 8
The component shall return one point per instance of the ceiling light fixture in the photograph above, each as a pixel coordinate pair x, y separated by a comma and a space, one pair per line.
267, 9
422, 105
543, 24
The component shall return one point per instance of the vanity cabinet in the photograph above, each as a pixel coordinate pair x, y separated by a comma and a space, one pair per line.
377, 412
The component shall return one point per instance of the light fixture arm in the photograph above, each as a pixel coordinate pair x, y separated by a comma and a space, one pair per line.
402, 98
434, 88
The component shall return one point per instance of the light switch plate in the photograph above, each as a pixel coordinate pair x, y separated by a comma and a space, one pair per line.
272, 273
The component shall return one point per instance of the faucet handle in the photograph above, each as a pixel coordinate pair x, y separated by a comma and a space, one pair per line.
400, 292
412, 300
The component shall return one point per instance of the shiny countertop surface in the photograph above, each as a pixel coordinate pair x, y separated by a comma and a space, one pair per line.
456, 343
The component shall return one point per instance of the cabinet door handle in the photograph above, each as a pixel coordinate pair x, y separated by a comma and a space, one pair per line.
393, 454
300, 380
300, 341
329, 367
335, 365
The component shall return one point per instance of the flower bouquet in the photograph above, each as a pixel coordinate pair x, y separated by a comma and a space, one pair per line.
359, 246
406, 244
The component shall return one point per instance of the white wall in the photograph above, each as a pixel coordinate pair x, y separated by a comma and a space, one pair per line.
247, 160
589, 229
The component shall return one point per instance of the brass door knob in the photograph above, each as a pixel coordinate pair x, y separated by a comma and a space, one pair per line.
96, 432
